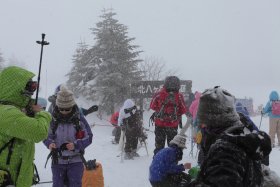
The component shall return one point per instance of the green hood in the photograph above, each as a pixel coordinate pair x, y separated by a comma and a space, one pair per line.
13, 81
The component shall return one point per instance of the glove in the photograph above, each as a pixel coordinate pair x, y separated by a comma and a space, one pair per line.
193, 172
122, 127
152, 118
143, 137
5, 178
91, 164
93, 108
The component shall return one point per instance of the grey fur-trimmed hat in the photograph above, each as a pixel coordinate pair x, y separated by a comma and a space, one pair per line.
65, 98
217, 109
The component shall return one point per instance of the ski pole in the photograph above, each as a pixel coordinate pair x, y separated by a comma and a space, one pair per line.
122, 146
45, 182
261, 121
42, 43
145, 144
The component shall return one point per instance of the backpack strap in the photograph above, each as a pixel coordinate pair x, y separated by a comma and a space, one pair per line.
10, 143
77, 124
171, 98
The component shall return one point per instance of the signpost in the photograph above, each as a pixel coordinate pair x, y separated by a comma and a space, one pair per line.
146, 89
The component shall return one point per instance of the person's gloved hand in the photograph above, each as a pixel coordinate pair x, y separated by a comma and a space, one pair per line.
152, 118
91, 164
93, 108
193, 172
122, 127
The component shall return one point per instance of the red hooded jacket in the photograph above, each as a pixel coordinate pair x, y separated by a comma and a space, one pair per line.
157, 102
114, 119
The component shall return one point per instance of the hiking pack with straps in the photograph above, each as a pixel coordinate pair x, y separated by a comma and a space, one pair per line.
275, 107
168, 112
56, 153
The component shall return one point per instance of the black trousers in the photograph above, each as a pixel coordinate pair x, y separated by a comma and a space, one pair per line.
131, 135
163, 134
117, 134
173, 180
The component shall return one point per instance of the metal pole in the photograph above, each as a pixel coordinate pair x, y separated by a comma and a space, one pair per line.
42, 43
260, 121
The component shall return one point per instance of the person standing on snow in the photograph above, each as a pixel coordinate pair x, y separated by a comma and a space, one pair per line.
131, 124
233, 150
169, 106
274, 118
117, 130
18, 131
197, 129
42, 102
164, 170
68, 137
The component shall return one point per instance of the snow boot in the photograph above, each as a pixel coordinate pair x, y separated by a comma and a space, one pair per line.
128, 156
134, 154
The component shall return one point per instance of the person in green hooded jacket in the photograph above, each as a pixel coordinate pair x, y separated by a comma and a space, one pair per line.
18, 131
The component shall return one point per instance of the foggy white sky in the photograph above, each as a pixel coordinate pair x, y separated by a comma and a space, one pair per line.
234, 44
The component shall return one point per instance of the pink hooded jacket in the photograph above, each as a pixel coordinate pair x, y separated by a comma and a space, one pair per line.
194, 106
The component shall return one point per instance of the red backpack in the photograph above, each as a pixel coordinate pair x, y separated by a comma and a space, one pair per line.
275, 107
168, 109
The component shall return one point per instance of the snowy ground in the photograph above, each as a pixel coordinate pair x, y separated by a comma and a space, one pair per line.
130, 173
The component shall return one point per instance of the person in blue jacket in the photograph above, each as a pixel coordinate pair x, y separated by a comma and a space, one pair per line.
164, 169
274, 120
68, 137
245, 116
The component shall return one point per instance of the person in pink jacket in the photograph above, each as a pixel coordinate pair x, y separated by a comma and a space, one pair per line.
197, 129
194, 106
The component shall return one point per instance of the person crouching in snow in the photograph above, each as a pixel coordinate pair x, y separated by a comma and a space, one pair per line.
131, 124
233, 150
68, 137
164, 169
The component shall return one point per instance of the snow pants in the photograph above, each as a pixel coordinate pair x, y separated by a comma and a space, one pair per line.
70, 173
117, 134
274, 128
162, 134
131, 135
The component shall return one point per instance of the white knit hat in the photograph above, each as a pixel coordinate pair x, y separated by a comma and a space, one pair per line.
180, 139
65, 98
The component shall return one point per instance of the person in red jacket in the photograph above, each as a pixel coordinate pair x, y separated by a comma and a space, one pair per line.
169, 106
117, 130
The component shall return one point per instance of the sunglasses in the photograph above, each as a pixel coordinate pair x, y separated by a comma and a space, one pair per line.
65, 109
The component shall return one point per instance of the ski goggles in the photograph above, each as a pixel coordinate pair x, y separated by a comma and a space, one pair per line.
30, 87
64, 109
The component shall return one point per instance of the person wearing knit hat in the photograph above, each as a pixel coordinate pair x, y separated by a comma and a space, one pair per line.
164, 169
233, 150
65, 99
69, 133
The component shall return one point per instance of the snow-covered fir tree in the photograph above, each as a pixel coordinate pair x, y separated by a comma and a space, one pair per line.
111, 64
77, 73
